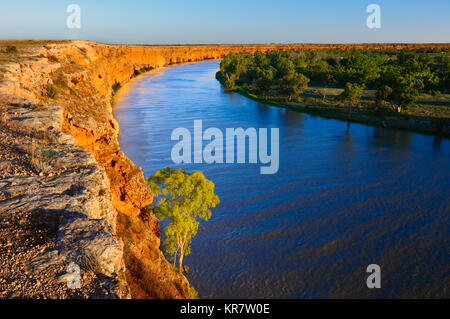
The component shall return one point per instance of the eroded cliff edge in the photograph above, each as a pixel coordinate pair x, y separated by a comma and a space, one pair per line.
62, 92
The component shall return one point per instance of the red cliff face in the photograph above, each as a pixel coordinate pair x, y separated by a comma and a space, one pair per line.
84, 74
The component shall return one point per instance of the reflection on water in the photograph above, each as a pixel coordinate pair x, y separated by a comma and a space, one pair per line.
391, 138
340, 201
437, 143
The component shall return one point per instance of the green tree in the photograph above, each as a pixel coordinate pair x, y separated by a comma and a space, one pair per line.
261, 60
264, 78
384, 93
319, 71
293, 83
407, 90
351, 94
233, 66
284, 66
185, 199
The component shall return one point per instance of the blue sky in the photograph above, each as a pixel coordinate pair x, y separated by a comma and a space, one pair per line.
227, 21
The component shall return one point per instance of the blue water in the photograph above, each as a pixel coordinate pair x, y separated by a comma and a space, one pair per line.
339, 202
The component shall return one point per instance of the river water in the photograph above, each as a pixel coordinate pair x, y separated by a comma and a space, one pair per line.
339, 202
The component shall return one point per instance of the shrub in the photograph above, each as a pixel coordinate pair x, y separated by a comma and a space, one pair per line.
51, 92
49, 153
116, 86
11, 49
52, 58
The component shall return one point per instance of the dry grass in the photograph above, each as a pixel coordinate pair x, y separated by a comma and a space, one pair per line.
43, 156
90, 262
41, 165
38, 162
427, 105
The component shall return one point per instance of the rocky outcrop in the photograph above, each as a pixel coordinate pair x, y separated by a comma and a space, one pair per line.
101, 195
72, 195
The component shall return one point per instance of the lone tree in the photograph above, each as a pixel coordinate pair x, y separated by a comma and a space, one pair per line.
352, 94
185, 199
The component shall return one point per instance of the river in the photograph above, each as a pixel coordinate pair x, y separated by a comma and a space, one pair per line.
339, 202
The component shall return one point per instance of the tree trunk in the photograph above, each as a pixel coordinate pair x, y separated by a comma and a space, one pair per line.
182, 246
180, 260
175, 258
349, 115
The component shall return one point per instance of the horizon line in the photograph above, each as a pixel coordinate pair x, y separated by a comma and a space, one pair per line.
237, 43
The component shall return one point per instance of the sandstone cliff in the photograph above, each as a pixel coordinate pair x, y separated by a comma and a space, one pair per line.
66, 88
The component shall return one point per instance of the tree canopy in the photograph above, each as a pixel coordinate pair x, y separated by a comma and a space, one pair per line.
185, 199
352, 93
399, 76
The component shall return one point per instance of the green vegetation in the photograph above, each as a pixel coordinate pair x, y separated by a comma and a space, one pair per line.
11, 49
193, 294
184, 198
292, 84
116, 87
389, 82
49, 153
51, 91
144, 69
352, 94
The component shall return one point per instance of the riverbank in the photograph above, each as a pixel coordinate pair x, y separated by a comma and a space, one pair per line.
329, 210
439, 126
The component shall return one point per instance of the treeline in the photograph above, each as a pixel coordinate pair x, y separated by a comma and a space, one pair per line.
399, 76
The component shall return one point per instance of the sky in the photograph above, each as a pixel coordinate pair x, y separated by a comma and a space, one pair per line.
227, 21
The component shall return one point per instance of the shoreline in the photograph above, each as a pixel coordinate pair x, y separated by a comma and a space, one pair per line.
439, 127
